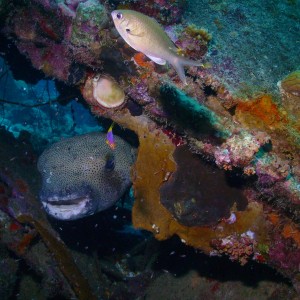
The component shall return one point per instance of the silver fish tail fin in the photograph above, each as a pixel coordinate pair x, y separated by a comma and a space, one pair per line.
179, 62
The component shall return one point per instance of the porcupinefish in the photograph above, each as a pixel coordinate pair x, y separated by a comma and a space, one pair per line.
81, 175
144, 34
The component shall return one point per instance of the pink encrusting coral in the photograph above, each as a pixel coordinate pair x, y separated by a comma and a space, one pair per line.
239, 248
239, 150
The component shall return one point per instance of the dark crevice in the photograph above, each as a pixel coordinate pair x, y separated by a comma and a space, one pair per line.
209, 91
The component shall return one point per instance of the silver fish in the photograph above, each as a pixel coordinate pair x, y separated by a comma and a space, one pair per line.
145, 35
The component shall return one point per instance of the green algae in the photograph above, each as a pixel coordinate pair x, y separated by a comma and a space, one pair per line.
188, 113
263, 249
90, 18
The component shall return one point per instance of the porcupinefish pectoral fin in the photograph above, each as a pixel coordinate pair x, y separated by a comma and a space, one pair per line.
179, 62
157, 60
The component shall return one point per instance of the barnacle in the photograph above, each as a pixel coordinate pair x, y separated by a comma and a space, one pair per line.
107, 92
104, 91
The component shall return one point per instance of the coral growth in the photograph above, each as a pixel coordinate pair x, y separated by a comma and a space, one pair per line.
284, 250
146, 67
193, 42
256, 140
239, 150
238, 247
290, 90
186, 196
54, 36
141, 60
260, 113
166, 12
87, 32
285, 255
150, 214
291, 84
189, 113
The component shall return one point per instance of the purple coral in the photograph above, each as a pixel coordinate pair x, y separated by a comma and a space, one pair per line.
285, 255
139, 93
164, 11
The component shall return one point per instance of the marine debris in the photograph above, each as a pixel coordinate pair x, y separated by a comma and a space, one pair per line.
28, 223
62, 257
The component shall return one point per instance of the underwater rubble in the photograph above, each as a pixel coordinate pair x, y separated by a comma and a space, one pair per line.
24, 224
217, 166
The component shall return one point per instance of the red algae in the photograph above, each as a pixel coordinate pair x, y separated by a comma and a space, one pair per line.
273, 218
14, 226
291, 231
176, 139
24, 243
141, 60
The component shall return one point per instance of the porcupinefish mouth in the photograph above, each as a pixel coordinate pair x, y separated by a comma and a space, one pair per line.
71, 207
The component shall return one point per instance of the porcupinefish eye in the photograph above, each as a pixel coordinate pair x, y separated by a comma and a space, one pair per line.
119, 16
127, 30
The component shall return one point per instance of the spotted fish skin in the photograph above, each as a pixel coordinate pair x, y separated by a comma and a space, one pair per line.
145, 34
81, 175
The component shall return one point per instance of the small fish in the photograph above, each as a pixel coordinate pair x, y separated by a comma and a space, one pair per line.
145, 35
110, 139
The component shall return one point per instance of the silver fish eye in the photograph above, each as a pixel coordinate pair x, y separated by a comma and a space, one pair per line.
119, 16
96, 78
